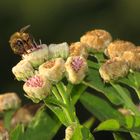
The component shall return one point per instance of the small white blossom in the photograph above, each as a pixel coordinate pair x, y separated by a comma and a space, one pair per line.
53, 69
59, 50
38, 56
76, 69
23, 70
37, 87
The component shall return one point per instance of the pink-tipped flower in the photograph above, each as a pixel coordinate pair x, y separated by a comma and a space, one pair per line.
23, 70
76, 69
58, 50
38, 56
9, 101
118, 47
113, 69
53, 69
96, 40
37, 87
78, 49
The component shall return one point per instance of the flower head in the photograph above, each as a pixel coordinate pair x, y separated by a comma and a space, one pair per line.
113, 69
23, 70
38, 56
76, 68
37, 87
9, 101
59, 50
78, 49
53, 69
118, 47
96, 40
132, 58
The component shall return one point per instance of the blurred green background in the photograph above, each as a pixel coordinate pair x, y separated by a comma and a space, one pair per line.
56, 21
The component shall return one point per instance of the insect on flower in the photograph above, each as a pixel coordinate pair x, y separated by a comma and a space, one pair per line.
21, 42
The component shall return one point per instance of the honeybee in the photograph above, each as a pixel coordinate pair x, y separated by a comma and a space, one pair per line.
21, 42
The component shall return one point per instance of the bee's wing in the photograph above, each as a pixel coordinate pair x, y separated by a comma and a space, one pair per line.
24, 28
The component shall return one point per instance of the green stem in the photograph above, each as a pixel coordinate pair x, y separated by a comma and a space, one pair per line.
56, 94
69, 109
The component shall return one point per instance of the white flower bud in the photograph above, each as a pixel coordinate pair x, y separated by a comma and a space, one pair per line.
23, 70
113, 69
59, 50
118, 47
37, 87
38, 56
9, 101
53, 69
76, 68
78, 49
96, 40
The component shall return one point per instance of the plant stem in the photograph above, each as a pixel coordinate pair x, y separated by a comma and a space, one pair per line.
69, 109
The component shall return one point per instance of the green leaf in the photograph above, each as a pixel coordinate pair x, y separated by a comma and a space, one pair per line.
132, 80
100, 108
135, 136
94, 81
76, 92
118, 136
127, 100
88, 124
17, 132
7, 118
110, 124
133, 123
59, 113
42, 127
92, 64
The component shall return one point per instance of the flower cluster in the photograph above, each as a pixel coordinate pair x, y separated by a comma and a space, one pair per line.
123, 56
47, 65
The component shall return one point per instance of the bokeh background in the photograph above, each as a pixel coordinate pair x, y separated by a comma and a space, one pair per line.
56, 21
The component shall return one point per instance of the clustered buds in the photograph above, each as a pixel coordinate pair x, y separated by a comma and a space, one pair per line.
47, 65
123, 56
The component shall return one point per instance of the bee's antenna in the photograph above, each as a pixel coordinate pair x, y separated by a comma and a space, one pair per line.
24, 28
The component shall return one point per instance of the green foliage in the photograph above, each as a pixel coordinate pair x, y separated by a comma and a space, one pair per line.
42, 127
